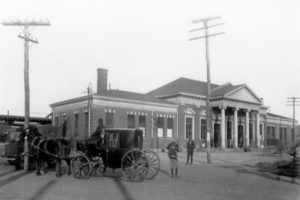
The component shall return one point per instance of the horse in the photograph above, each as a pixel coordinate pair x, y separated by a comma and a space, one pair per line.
46, 150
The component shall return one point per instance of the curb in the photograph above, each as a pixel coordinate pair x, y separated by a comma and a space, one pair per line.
271, 175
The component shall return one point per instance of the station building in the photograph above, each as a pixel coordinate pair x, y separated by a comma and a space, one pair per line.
177, 110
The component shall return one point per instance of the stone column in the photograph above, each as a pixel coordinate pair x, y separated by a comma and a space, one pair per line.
235, 137
247, 129
257, 130
223, 139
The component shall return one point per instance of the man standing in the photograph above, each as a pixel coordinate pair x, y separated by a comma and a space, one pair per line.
173, 148
190, 150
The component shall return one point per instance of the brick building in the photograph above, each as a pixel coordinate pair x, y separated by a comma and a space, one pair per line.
177, 110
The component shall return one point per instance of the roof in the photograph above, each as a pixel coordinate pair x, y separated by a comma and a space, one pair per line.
183, 85
118, 94
133, 96
278, 116
224, 89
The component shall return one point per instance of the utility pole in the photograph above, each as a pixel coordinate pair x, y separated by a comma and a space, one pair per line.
293, 101
26, 36
90, 92
208, 107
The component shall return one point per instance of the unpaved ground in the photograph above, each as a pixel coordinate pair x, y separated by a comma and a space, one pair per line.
233, 178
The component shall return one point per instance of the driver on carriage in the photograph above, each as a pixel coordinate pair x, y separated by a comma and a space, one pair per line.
98, 136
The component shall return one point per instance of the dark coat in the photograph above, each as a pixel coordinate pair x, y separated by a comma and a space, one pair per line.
190, 145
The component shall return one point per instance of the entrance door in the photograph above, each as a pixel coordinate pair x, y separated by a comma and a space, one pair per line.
240, 136
216, 135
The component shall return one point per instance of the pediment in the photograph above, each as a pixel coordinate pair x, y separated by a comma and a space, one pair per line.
189, 111
244, 94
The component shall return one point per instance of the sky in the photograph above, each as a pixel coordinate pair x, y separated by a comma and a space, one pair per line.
145, 44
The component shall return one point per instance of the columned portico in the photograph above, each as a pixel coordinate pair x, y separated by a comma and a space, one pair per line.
223, 126
235, 128
257, 130
247, 128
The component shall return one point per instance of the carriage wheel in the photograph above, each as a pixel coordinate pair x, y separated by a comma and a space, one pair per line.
81, 167
134, 165
98, 167
154, 164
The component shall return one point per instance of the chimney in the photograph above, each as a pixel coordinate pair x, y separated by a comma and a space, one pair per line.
101, 80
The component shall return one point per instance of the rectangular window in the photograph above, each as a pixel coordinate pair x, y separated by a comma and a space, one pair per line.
130, 121
273, 132
56, 121
160, 127
142, 124
109, 119
188, 127
203, 129
170, 128
76, 124
86, 123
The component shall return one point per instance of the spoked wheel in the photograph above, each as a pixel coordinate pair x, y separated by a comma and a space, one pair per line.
154, 164
98, 166
134, 165
81, 167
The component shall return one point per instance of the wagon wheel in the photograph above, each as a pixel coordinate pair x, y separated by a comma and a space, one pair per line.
98, 167
81, 167
154, 164
134, 165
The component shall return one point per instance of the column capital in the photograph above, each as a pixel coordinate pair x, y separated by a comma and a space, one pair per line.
247, 110
236, 109
222, 107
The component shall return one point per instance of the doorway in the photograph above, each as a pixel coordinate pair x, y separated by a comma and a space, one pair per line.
216, 135
240, 136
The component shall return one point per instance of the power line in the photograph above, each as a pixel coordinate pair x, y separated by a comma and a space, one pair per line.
293, 101
205, 27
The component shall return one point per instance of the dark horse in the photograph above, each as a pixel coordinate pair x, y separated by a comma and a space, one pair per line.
43, 150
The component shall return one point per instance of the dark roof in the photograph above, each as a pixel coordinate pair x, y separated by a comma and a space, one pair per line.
224, 89
118, 94
183, 85
278, 116
133, 96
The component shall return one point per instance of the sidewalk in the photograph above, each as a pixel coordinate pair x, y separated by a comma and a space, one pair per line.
260, 162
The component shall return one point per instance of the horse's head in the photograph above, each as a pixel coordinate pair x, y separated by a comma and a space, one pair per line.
30, 132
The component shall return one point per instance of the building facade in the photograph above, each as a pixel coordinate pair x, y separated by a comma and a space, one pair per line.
177, 110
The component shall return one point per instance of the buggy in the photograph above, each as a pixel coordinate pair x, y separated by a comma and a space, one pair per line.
116, 149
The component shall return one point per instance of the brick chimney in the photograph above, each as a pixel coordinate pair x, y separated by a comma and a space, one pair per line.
101, 80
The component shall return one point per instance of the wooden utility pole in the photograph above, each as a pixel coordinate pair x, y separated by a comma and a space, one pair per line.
208, 107
27, 38
90, 96
293, 101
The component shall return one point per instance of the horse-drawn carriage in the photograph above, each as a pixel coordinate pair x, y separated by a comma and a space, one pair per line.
116, 149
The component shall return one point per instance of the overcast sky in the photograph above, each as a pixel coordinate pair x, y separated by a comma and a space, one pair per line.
145, 44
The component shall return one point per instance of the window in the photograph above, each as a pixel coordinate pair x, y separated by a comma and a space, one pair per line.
170, 127
56, 121
203, 129
109, 119
160, 127
273, 132
130, 121
188, 127
260, 129
113, 140
293, 134
229, 134
86, 123
142, 124
76, 124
